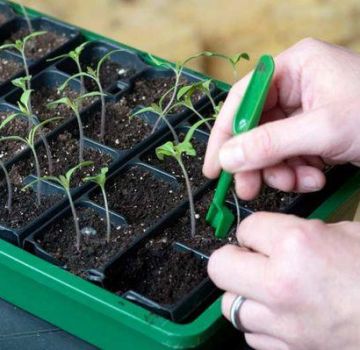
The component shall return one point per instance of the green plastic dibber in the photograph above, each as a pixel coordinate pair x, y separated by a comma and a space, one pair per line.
247, 116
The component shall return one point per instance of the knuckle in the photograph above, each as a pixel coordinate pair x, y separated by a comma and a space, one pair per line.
264, 142
309, 43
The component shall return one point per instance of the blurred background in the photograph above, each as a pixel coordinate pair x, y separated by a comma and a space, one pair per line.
176, 29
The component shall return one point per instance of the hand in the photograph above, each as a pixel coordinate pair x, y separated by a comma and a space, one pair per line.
301, 278
311, 117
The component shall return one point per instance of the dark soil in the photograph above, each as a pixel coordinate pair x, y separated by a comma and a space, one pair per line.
39, 46
270, 200
16, 127
110, 73
140, 197
149, 90
60, 238
65, 155
153, 271
121, 132
42, 97
25, 207
204, 241
8, 68
193, 165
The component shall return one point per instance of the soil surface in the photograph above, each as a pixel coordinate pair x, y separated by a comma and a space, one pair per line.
204, 240
65, 155
153, 271
149, 90
140, 197
39, 46
60, 239
42, 97
110, 73
193, 165
270, 200
121, 131
9, 68
24, 205
16, 127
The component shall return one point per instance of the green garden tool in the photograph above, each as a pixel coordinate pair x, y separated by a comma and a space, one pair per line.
247, 116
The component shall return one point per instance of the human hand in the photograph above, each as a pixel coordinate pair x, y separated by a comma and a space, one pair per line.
301, 281
311, 118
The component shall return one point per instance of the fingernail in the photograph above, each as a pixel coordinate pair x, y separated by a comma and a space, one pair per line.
231, 158
310, 183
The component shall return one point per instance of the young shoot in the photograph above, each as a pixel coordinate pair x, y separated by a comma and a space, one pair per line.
30, 142
27, 18
75, 105
65, 182
8, 185
75, 56
186, 93
100, 180
20, 46
95, 75
176, 151
26, 111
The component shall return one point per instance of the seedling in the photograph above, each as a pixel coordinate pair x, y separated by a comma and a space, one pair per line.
27, 19
26, 111
161, 110
30, 142
75, 105
75, 56
20, 46
65, 182
100, 180
94, 74
176, 150
185, 94
8, 185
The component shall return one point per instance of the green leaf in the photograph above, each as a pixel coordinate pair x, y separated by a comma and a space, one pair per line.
7, 120
25, 99
91, 71
103, 59
70, 173
185, 147
100, 179
78, 50
189, 135
7, 46
21, 82
237, 57
91, 94
185, 90
165, 150
34, 130
33, 35
61, 101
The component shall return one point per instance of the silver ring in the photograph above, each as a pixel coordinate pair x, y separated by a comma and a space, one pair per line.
235, 313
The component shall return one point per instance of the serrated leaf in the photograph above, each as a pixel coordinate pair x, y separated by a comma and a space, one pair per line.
185, 147
165, 150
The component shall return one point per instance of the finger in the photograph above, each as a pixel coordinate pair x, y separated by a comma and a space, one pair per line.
254, 317
280, 176
315, 161
263, 231
222, 129
265, 342
271, 143
307, 178
248, 276
247, 184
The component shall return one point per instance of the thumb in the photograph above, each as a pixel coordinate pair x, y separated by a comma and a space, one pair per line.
316, 132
